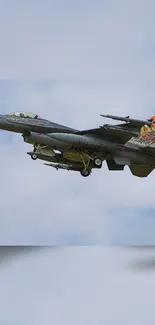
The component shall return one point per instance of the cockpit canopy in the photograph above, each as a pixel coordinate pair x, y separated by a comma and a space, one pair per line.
24, 115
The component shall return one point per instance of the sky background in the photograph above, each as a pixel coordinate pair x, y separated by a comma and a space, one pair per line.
69, 61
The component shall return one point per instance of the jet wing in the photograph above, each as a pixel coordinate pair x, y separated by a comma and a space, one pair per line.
119, 133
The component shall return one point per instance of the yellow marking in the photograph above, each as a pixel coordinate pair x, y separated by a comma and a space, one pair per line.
77, 157
147, 134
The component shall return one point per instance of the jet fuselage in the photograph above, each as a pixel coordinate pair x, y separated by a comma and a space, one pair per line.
104, 143
106, 149
22, 124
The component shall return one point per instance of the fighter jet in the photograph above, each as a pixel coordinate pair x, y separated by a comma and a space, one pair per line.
120, 145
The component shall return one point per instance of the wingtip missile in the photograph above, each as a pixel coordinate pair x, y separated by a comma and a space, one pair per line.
127, 119
118, 118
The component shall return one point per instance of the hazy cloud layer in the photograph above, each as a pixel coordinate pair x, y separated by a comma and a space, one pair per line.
83, 285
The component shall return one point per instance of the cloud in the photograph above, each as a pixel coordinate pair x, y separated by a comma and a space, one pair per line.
86, 285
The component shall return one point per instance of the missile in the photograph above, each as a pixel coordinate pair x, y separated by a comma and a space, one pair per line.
63, 166
58, 166
127, 119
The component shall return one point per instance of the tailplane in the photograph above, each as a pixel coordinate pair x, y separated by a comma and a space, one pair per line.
141, 171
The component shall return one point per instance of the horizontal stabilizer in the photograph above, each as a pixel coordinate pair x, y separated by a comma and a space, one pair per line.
141, 171
113, 166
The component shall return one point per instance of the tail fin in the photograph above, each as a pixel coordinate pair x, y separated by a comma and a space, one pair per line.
145, 140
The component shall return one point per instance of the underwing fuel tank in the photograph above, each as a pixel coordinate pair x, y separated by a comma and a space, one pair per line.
67, 140
43, 139
79, 140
